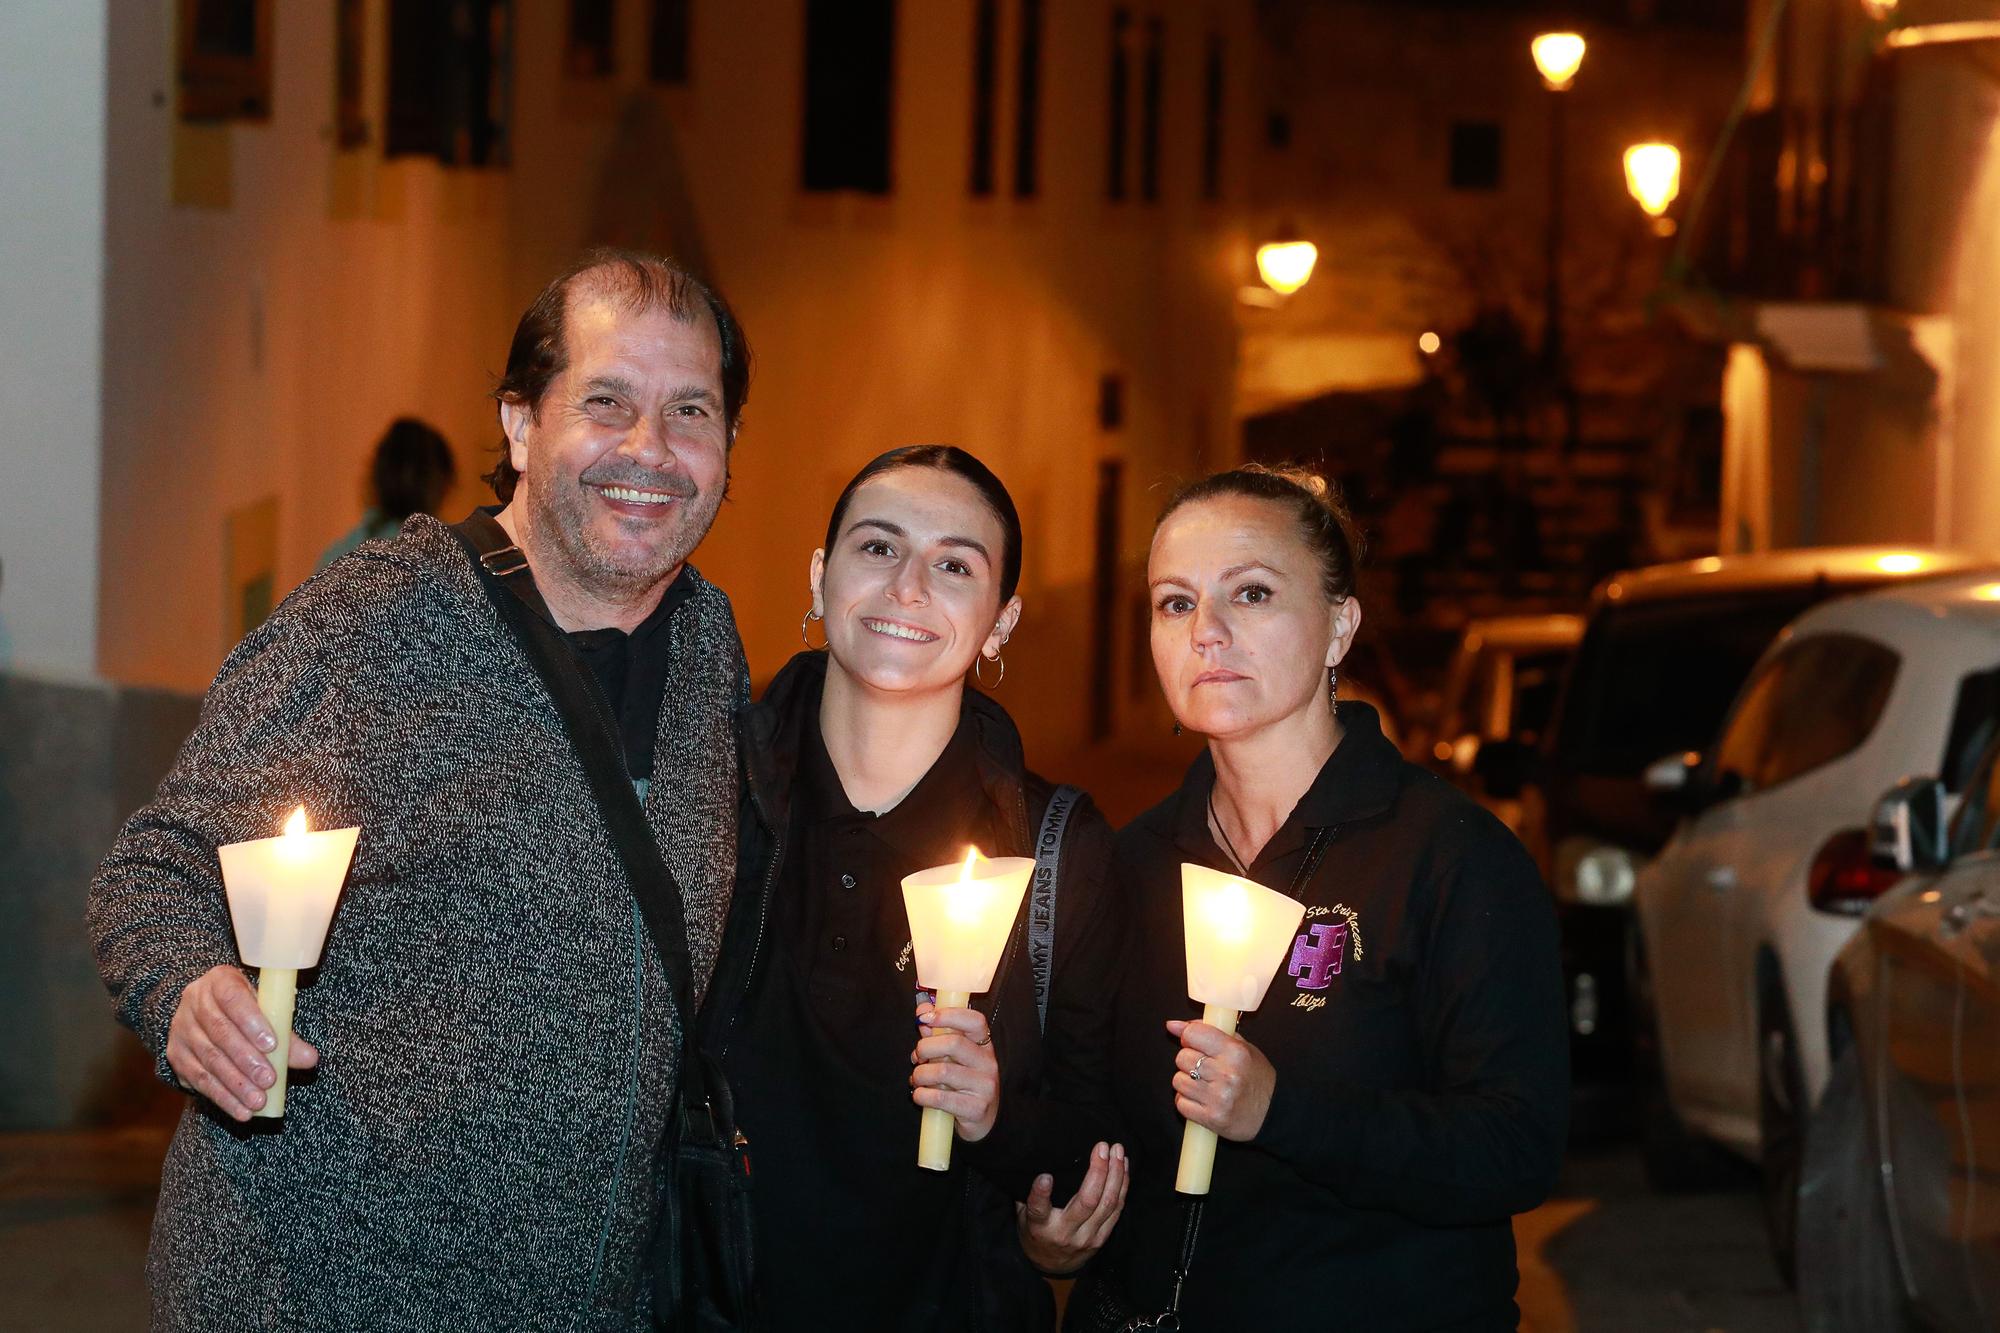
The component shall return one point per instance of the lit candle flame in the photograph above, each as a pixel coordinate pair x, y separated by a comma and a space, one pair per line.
968, 897
296, 824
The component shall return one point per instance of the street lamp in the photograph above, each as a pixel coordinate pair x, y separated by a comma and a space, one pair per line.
1558, 56
1653, 175
1286, 263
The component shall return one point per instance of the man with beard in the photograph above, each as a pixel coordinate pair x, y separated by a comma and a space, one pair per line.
492, 1039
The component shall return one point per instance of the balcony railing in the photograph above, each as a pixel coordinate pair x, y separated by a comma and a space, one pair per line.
1800, 209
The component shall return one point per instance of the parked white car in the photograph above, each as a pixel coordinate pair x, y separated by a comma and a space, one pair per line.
1743, 911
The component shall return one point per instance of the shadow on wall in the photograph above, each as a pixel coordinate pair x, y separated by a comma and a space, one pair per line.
76, 761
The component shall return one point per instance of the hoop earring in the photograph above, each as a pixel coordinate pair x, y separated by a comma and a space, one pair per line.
805, 636
981, 661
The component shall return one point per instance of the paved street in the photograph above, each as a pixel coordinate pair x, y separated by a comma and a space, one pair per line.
1605, 1256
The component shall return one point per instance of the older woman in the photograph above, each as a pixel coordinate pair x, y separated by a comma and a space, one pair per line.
1403, 1089
868, 759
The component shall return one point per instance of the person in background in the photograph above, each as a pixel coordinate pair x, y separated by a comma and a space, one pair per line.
1403, 1090
411, 473
868, 759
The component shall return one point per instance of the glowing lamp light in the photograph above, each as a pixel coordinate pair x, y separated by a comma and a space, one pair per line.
1285, 266
282, 893
960, 917
1429, 343
1558, 55
1987, 592
1653, 175
1899, 562
1879, 10
1238, 935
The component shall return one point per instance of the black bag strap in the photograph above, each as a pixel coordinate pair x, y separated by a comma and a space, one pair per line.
1042, 896
510, 586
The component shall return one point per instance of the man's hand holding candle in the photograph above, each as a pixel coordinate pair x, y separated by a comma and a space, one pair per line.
956, 1069
218, 1041
1233, 1094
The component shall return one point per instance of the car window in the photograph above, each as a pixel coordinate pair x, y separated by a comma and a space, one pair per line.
1656, 678
1746, 738
1811, 702
1975, 826
1975, 720
1537, 678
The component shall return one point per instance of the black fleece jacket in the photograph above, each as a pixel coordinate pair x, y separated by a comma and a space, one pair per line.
1418, 1035
833, 1143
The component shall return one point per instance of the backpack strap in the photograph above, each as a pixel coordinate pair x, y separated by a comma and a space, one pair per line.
1042, 895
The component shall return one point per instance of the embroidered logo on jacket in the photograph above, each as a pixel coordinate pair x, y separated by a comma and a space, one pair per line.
1320, 950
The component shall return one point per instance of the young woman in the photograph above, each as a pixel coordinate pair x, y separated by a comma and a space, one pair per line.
866, 761
1403, 1089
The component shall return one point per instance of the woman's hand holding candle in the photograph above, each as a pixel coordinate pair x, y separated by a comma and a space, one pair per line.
1233, 1094
217, 1043
956, 1069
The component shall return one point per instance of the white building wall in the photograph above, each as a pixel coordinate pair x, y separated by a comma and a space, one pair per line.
52, 92
257, 349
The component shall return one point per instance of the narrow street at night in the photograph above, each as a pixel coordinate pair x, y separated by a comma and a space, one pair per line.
1000, 666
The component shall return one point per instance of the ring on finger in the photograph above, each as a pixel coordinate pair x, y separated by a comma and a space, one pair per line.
1195, 1073
986, 1040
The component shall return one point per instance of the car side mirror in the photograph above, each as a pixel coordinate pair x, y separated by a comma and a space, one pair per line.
1503, 767
1676, 779
1907, 830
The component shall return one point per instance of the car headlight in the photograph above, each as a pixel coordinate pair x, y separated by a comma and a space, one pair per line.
1604, 877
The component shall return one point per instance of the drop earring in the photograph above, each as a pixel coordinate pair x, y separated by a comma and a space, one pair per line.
1333, 689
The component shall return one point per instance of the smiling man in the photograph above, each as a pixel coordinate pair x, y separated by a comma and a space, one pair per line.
492, 1036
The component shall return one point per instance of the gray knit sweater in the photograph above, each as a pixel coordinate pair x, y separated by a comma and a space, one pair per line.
481, 1145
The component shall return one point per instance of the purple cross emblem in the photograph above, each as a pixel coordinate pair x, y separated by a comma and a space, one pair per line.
1317, 963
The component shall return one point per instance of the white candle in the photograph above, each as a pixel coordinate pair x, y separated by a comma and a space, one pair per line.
282, 893
1238, 933
960, 917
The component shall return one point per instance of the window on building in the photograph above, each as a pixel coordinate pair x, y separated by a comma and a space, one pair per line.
350, 38
1120, 95
225, 59
450, 81
985, 93
1475, 155
1211, 119
593, 35
1028, 100
667, 42
1149, 109
850, 68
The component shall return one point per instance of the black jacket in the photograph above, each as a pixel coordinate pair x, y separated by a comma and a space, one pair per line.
1418, 1034
968, 1271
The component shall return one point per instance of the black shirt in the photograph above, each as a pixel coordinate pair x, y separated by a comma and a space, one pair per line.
1417, 1030
842, 1209
630, 669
